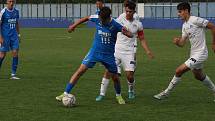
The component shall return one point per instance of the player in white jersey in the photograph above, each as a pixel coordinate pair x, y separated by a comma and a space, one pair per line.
135, 17
194, 30
125, 50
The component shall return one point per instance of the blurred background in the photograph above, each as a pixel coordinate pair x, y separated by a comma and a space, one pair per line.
55, 11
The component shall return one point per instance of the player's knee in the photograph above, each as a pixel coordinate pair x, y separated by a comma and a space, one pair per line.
115, 77
130, 78
178, 72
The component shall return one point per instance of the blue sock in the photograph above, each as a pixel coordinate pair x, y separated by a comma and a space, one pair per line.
69, 87
14, 65
1, 60
117, 87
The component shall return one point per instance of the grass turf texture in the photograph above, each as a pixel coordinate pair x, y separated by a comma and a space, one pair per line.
48, 57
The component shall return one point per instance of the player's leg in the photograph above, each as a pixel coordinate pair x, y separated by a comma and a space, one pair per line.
79, 72
2, 56
175, 80
14, 64
199, 75
104, 85
4, 48
117, 87
131, 84
110, 65
129, 65
14, 45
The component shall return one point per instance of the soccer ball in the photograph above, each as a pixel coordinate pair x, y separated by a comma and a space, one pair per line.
69, 100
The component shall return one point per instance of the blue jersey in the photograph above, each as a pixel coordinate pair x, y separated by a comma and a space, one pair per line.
97, 11
8, 19
105, 36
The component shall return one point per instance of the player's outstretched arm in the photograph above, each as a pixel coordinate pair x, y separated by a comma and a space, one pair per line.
179, 41
80, 21
145, 45
211, 26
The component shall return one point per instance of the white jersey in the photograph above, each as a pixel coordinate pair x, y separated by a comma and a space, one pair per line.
125, 44
194, 29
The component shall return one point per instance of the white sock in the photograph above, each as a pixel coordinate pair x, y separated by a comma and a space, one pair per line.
208, 83
131, 86
104, 86
119, 69
175, 80
118, 95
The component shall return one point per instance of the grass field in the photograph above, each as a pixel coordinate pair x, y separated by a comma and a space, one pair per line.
48, 57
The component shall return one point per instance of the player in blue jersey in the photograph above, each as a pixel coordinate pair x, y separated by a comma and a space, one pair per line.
101, 51
99, 5
9, 35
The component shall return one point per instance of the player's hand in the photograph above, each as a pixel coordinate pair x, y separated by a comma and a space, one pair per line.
150, 55
19, 36
126, 32
176, 40
71, 28
1, 41
213, 47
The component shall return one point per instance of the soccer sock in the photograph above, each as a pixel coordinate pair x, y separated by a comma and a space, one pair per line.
208, 83
104, 86
117, 88
131, 86
14, 65
119, 69
175, 80
1, 60
68, 88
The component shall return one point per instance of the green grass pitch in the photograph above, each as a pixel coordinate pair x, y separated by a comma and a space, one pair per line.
48, 57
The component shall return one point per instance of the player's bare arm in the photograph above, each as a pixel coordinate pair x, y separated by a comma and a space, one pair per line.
179, 41
211, 26
18, 30
80, 21
145, 45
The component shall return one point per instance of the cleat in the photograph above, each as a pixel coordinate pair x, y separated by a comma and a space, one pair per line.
131, 95
99, 98
161, 96
120, 100
60, 97
14, 78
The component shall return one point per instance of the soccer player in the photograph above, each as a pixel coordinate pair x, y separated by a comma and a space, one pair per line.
125, 50
9, 35
99, 5
193, 29
102, 50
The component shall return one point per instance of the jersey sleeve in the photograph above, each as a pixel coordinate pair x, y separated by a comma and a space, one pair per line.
1, 14
200, 22
93, 18
140, 26
118, 26
119, 19
184, 33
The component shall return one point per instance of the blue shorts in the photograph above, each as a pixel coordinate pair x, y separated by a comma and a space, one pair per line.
108, 60
9, 43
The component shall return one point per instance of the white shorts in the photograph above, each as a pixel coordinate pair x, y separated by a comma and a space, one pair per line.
127, 61
195, 62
